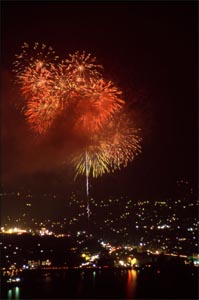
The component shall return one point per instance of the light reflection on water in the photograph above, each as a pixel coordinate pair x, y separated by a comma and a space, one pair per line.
94, 279
131, 284
104, 284
9, 294
14, 293
82, 284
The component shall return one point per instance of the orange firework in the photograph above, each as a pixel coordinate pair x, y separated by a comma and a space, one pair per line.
96, 104
35, 80
40, 112
63, 86
81, 68
50, 88
38, 55
33, 69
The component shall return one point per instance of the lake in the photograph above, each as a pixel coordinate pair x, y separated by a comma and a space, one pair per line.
104, 284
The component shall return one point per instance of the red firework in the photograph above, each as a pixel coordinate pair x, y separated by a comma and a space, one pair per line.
41, 112
97, 104
35, 80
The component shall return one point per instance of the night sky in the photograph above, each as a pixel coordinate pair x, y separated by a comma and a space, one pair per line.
149, 50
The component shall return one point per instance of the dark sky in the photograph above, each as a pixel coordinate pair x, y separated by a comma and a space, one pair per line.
149, 49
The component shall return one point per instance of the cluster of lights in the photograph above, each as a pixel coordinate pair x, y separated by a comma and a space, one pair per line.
163, 226
45, 231
89, 260
14, 230
13, 279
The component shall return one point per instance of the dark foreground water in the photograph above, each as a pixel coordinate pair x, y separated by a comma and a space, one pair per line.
105, 284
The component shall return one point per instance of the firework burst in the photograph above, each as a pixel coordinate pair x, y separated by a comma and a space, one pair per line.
41, 112
38, 53
82, 68
63, 86
97, 104
51, 87
33, 68
35, 80
124, 141
92, 160
111, 148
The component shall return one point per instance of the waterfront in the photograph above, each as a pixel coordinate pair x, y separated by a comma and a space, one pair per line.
108, 283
